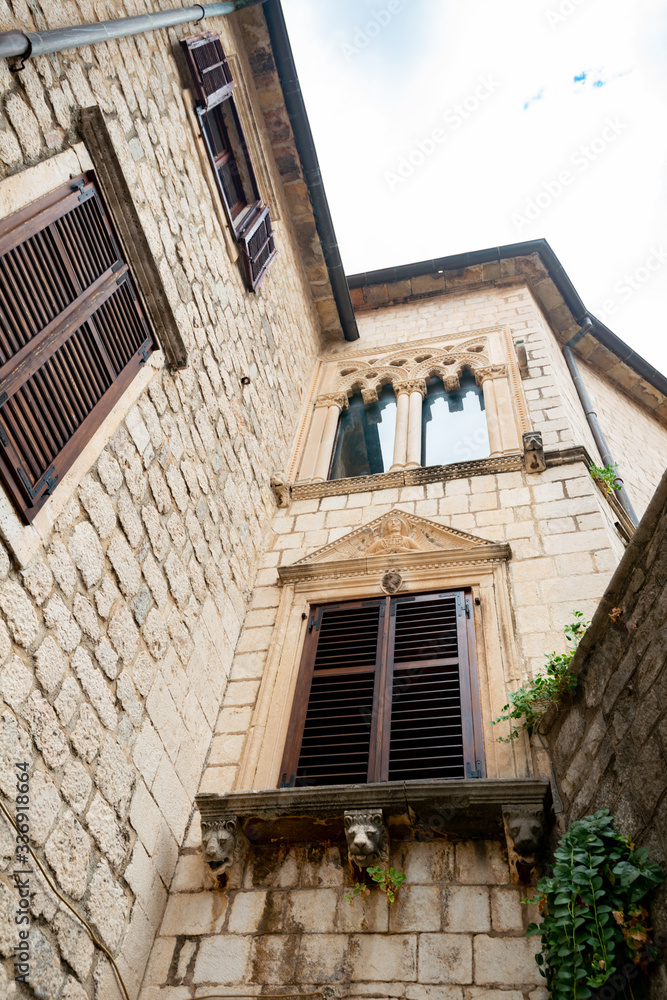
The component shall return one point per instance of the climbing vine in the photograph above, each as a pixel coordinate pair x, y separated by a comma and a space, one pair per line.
388, 880
529, 703
594, 927
606, 477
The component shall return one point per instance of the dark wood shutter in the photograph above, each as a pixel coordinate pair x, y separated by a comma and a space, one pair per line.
72, 336
387, 691
258, 247
211, 75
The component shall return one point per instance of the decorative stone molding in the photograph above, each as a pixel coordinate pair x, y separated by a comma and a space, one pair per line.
533, 452
391, 582
367, 837
369, 395
333, 399
282, 490
490, 371
413, 385
451, 382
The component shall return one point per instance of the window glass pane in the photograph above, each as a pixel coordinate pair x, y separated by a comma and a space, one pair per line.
454, 423
365, 441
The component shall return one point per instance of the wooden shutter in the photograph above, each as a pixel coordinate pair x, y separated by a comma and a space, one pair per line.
387, 691
72, 336
211, 75
258, 247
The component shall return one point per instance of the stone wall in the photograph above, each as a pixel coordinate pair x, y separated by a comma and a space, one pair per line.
610, 746
117, 633
458, 934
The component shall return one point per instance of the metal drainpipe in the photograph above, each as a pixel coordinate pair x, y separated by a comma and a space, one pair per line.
32, 43
591, 416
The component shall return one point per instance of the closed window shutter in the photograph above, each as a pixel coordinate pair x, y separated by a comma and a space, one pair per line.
387, 691
209, 69
72, 337
258, 247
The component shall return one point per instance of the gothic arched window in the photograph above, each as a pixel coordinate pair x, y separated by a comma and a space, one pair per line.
454, 423
365, 439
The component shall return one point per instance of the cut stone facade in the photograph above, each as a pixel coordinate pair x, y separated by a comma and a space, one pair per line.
152, 617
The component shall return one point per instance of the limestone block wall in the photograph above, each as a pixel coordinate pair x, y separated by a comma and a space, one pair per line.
458, 934
637, 441
610, 746
118, 624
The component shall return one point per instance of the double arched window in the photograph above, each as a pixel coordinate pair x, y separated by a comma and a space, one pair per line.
451, 424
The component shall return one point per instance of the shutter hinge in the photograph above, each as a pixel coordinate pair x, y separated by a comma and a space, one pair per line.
467, 609
117, 266
459, 606
144, 352
3, 438
474, 774
284, 783
392, 609
315, 621
83, 195
382, 609
49, 479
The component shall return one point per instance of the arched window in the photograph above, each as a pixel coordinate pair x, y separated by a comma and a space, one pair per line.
365, 439
454, 423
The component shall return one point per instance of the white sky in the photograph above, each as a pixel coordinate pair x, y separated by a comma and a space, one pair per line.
374, 94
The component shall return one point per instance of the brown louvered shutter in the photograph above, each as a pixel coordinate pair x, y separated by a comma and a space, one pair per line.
387, 692
258, 247
210, 71
72, 336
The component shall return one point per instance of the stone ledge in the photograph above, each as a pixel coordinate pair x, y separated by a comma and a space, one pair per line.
414, 810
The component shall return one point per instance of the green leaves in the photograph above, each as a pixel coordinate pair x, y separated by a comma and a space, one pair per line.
388, 880
528, 704
592, 920
606, 476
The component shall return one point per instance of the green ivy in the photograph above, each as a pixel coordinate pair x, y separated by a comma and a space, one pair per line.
388, 880
593, 922
528, 704
606, 476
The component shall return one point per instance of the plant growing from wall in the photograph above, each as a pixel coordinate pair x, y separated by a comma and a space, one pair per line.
388, 880
594, 927
606, 476
528, 704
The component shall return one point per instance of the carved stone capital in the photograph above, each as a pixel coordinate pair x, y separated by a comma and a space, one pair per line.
282, 490
369, 395
533, 452
412, 385
367, 837
338, 399
451, 382
490, 371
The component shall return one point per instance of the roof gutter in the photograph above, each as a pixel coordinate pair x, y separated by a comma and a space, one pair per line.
558, 275
33, 43
296, 109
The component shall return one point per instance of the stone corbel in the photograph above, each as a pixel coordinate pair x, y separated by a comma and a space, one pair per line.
369, 395
367, 837
223, 844
524, 830
282, 489
451, 382
533, 452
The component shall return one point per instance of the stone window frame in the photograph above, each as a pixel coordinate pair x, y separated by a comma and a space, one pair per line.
488, 353
483, 571
16, 192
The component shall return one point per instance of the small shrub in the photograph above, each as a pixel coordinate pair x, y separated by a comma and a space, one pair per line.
388, 880
528, 704
593, 922
606, 477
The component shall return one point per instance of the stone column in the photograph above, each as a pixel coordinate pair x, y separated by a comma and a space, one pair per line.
313, 443
401, 435
335, 403
417, 390
485, 377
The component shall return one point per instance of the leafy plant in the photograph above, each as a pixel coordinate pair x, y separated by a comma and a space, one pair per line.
528, 704
388, 880
606, 476
593, 922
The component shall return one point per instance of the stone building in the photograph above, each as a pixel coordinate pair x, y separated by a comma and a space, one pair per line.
226, 470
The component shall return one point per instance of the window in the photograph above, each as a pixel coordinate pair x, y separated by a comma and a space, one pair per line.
387, 691
454, 423
365, 439
72, 336
228, 153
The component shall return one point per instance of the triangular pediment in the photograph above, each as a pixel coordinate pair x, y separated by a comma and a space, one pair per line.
394, 534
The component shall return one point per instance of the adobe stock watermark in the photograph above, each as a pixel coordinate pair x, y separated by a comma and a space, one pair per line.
454, 117
364, 34
566, 8
632, 282
579, 162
